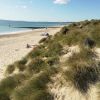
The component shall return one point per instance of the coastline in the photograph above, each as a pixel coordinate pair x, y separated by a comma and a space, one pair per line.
23, 32
2, 34
13, 46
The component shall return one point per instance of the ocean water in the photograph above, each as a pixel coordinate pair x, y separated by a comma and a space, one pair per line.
9, 30
8, 27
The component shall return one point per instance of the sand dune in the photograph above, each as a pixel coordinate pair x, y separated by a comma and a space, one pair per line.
13, 47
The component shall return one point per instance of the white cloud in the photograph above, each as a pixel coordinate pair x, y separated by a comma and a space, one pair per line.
21, 6
24, 6
61, 1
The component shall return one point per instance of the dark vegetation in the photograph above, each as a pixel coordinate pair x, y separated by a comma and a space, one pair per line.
37, 67
83, 70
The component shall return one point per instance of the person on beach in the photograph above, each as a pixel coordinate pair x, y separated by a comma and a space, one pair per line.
28, 46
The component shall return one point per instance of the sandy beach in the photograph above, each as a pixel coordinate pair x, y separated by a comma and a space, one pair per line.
13, 46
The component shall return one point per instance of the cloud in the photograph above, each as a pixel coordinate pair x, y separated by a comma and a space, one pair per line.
24, 6
61, 1
21, 6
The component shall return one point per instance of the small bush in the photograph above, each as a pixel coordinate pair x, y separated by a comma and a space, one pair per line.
10, 69
95, 34
20, 65
36, 65
52, 61
85, 55
7, 85
82, 70
54, 49
36, 52
83, 77
34, 89
4, 96
64, 30
89, 43
23, 61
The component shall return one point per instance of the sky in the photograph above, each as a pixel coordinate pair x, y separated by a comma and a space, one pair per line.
49, 10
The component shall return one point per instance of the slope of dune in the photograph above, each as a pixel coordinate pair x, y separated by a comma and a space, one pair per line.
65, 66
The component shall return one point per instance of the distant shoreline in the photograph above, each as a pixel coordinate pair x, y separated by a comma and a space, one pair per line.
23, 32
39, 27
29, 29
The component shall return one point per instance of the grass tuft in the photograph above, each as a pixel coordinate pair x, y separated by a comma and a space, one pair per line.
82, 70
34, 89
10, 69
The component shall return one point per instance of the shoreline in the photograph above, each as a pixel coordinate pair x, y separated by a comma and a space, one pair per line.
15, 33
13, 46
23, 32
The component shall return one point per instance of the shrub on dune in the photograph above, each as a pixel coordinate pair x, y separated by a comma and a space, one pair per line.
52, 60
82, 71
64, 30
36, 52
36, 65
10, 69
54, 49
23, 61
82, 77
21, 64
8, 85
95, 34
34, 89
4, 96
84, 55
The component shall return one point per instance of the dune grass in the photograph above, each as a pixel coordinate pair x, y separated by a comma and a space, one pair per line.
10, 69
82, 71
34, 89
37, 68
54, 49
36, 65
36, 52
8, 84
52, 61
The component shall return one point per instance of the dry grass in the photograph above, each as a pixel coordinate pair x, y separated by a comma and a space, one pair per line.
35, 72
82, 71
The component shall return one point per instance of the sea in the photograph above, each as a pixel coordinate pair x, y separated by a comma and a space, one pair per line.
9, 27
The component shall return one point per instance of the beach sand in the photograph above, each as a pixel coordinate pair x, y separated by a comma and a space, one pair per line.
13, 46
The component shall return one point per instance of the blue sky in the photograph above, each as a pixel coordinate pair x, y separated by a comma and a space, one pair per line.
49, 10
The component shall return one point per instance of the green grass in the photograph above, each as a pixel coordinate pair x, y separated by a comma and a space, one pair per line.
76, 35
54, 49
64, 30
36, 65
8, 84
85, 56
95, 34
53, 61
4, 96
36, 52
10, 69
34, 89
20, 66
